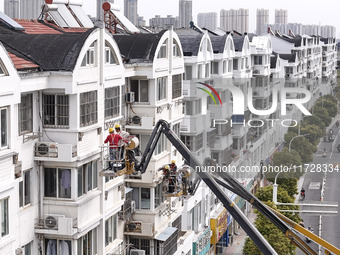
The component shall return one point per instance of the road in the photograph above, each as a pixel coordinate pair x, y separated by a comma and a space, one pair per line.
330, 224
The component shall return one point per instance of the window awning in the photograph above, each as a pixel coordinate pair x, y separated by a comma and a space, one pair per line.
166, 234
127, 190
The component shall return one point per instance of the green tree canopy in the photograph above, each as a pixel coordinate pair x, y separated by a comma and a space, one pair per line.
322, 113
301, 145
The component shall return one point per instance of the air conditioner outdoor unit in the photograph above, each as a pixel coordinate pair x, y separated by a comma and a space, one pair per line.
137, 252
288, 75
130, 97
136, 120
133, 206
256, 71
51, 220
255, 93
46, 149
19, 251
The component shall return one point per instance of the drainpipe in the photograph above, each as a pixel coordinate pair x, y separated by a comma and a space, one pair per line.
100, 24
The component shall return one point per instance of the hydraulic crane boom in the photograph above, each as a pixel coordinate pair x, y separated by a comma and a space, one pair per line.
163, 127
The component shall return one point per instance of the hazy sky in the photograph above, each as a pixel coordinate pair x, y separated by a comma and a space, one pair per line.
325, 12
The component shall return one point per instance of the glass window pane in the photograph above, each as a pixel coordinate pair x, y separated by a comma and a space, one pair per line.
145, 198
4, 217
21, 192
64, 176
3, 130
27, 181
89, 176
50, 182
144, 91
80, 181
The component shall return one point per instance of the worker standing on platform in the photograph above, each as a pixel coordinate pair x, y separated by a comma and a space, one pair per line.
124, 135
173, 173
113, 140
166, 176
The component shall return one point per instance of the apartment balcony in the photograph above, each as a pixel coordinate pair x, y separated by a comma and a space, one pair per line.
56, 225
259, 70
139, 228
261, 92
55, 152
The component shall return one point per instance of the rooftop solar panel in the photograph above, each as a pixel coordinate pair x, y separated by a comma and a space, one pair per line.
81, 15
10, 22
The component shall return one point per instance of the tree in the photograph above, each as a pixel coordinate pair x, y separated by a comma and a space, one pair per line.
329, 105
314, 133
302, 146
271, 233
313, 120
323, 115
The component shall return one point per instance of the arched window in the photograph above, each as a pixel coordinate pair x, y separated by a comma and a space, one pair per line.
3, 71
163, 50
110, 56
90, 56
176, 52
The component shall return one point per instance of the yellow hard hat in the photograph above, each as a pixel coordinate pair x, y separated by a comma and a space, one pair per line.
173, 161
167, 167
111, 130
117, 126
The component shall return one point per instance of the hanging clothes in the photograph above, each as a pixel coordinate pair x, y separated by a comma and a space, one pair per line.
66, 179
64, 248
51, 248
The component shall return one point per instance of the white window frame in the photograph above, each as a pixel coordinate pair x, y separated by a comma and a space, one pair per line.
161, 145
57, 183
4, 217
141, 84
112, 102
4, 128
90, 56
88, 108
85, 172
58, 243
25, 200
162, 88
3, 71
111, 225
188, 72
163, 53
25, 114
176, 86
59, 111
110, 56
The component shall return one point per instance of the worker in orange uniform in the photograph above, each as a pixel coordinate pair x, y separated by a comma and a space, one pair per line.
172, 181
113, 140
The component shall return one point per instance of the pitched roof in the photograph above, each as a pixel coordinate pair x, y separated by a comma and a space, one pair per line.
51, 48
218, 43
190, 40
290, 57
21, 63
138, 48
238, 42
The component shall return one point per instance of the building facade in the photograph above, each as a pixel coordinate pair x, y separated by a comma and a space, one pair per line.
207, 20
281, 16
185, 13
23, 9
262, 20
163, 22
237, 20
131, 10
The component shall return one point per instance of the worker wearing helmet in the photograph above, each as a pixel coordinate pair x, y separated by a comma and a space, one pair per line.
172, 181
113, 140
166, 175
125, 136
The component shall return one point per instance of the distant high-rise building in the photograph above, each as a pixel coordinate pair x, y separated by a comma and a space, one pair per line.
130, 10
159, 21
300, 29
12, 8
207, 20
237, 20
281, 16
23, 9
185, 13
141, 21
262, 19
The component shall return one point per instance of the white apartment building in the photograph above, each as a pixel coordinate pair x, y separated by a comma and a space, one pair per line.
23, 9
131, 10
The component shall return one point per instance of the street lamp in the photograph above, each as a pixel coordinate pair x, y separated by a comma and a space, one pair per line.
275, 189
290, 143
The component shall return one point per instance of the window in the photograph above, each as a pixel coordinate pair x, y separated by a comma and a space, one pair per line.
56, 111
57, 182
207, 70
158, 195
176, 129
175, 49
225, 66
3, 127
110, 56
87, 244
25, 189
88, 108
176, 86
4, 217
161, 88
28, 249
141, 196
230, 63
188, 73
162, 50
111, 229
112, 102
142, 244
161, 145
2, 69
141, 89
193, 107
87, 177
235, 64
193, 143
257, 60
57, 247
26, 114
89, 58
200, 71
